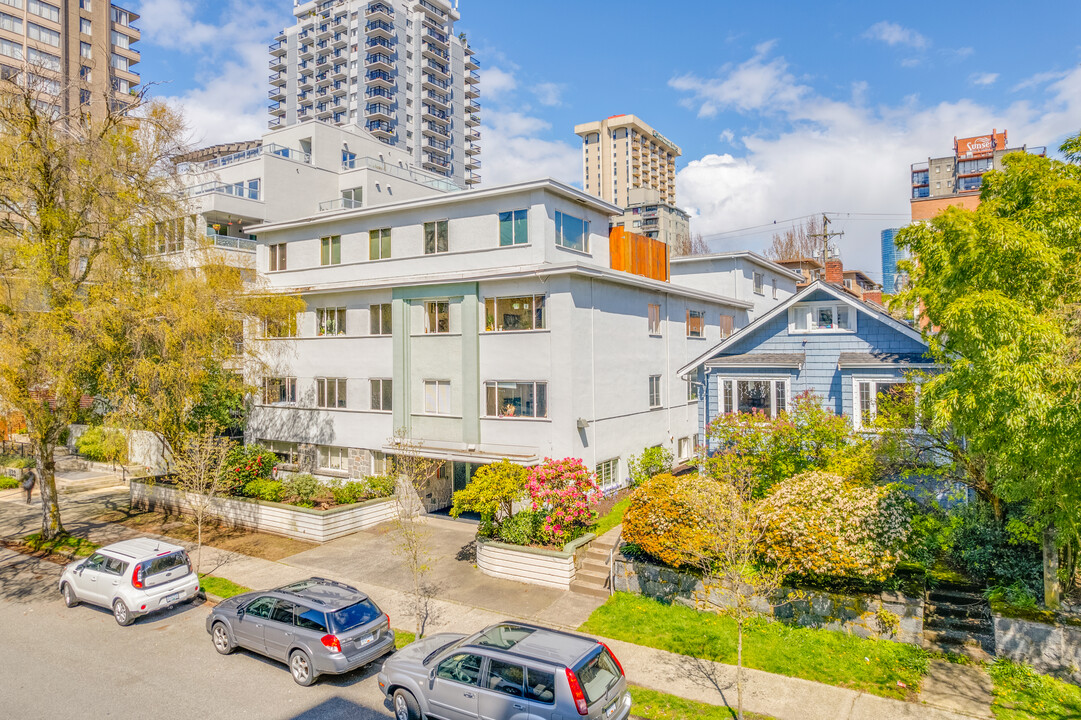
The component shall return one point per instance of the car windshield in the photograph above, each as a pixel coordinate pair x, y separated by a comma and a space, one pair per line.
354, 616
598, 674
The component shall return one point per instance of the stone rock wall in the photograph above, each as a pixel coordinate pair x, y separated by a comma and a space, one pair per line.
1052, 649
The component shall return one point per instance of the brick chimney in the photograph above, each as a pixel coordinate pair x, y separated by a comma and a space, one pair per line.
874, 296
835, 271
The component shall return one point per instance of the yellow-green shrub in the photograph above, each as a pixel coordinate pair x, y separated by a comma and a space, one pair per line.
672, 518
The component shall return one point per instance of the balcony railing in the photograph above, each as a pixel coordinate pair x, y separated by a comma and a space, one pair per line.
339, 204
244, 155
240, 190
410, 174
233, 243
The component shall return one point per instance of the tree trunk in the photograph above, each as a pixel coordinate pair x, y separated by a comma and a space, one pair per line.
739, 666
1052, 590
51, 526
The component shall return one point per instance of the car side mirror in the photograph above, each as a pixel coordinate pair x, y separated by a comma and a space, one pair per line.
80, 567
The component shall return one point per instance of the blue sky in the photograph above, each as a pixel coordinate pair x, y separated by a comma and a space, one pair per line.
782, 109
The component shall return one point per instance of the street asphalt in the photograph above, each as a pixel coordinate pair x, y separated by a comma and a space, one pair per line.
78, 663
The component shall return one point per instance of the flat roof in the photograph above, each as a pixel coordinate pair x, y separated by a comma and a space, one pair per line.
733, 254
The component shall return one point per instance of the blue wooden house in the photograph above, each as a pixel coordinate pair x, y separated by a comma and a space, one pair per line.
848, 352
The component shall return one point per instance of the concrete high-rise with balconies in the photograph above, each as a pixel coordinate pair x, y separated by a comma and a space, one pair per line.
621, 153
81, 51
392, 67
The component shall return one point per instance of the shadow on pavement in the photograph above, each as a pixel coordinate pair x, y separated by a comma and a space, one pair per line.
337, 707
24, 578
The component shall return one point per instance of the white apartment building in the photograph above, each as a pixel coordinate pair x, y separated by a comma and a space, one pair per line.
742, 275
488, 324
392, 67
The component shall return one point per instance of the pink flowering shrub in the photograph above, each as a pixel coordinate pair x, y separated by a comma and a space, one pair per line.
565, 493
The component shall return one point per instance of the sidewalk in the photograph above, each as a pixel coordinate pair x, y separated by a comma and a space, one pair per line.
778, 696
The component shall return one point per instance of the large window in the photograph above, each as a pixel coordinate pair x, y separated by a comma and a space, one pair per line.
44, 9
287, 452
572, 232
333, 458
889, 403
379, 244
330, 250
654, 319
728, 323
280, 391
821, 317
766, 396
11, 23
514, 313
120, 40
437, 397
43, 59
277, 257
436, 237
285, 328
696, 323
513, 227
759, 282
382, 394
437, 317
654, 391
516, 399
330, 392
330, 321
379, 319
608, 474
13, 50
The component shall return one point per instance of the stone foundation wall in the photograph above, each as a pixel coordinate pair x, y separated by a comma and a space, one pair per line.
1052, 649
862, 615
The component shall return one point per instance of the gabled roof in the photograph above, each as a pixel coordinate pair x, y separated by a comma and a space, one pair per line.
828, 288
754, 257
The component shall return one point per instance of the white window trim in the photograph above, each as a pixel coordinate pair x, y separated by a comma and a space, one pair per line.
857, 409
424, 398
756, 378
615, 481
342, 454
812, 307
660, 392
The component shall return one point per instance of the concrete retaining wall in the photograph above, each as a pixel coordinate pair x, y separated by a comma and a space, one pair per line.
1053, 649
860, 615
536, 566
144, 448
271, 517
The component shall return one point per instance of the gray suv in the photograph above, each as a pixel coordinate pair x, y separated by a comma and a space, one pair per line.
510, 671
316, 626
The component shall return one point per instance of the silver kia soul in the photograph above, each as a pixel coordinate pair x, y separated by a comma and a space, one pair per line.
510, 671
133, 578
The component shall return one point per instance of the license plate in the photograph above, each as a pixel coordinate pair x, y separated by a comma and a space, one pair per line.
611, 709
366, 641
172, 598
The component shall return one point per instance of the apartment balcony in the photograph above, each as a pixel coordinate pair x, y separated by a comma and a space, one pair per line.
379, 78
472, 148
435, 130
473, 136
278, 64
430, 10
380, 128
277, 109
431, 82
324, 114
438, 69
384, 43
339, 204
472, 107
279, 48
435, 162
276, 123
379, 61
340, 72
324, 31
438, 147
439, 100
472, 77
431, 50
340, 89
430, 113
380, 11
436, 37
277, 94
471, 62
379, 29
472, 92
378, 111
472, 121
281, 36
341, 23
304, 113
322, 62
472, 163
472, 179
305, 82
378, 92
279, 78
340, 40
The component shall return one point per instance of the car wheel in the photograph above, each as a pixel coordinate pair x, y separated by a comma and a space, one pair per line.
122, 614
300, 665
69, 595
405, 706
222, 642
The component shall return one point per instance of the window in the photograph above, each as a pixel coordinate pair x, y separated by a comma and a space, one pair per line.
260, 608
766, 396
308, 619
774, 288
86, 27
11, 23
333, 458
514, 313
540, 686
437, 397
513, 228
120, 40
506, 678
330, 392
382, 392
286, 452
683, 448
120, 17
608, 474
13, 3
85, 50
727, 325
43, 34
330, 321
44, 59
437, 317
330, 250
821, 317
654, 319
892, 401
379, 463
436, 237
277, 257
461, 668
11, 49
85, 5
696, 323
572, 232
759, 279
692, 390
654, 391
352, 198
379, 244
280, 391
44, 9
280, 328
516, 399
379, 319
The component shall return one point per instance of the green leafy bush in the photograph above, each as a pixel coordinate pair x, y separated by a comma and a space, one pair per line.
8, 483
492, 492
653, 461
249, 462
356, 491
101, 444
522, 528
14, 461
300, 489
981, 547
263, 489
672, 518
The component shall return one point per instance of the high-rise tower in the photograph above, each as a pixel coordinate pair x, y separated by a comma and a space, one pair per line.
621, 153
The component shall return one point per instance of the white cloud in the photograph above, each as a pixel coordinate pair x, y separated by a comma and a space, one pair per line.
548, 93
983, 78
841, 156
1038, 79
172, 24
894, 34
756, 84
497, 83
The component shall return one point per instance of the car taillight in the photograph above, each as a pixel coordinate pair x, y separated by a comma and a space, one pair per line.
137, 576
614, 659
331, 641
188, 561
576, 692
388, 619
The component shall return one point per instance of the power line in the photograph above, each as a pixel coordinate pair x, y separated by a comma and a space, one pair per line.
776, 223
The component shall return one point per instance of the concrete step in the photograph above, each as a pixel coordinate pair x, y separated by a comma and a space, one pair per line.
960, 638
976, 625
594, 576
945, 609
594, 566
588, 589
78, 486
955, 597
975, 652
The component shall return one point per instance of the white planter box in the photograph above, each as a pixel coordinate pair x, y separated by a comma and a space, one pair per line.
550, 568
271, 517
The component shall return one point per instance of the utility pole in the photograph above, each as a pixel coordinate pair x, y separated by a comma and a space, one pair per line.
825, 235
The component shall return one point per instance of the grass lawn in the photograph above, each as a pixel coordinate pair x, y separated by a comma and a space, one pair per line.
653, 705
403, 638
834, 658
613, 517
64, 545
1021, 693
221, 587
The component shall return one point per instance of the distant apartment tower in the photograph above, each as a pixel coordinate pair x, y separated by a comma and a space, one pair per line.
81, 51
956, 179
392, 67
645, 214
892, 280
621, 154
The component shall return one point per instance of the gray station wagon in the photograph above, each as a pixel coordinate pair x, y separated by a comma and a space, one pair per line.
316, 626
510, 671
